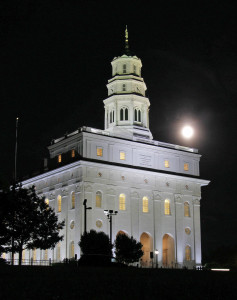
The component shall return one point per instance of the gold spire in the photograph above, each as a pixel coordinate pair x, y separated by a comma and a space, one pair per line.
127, 51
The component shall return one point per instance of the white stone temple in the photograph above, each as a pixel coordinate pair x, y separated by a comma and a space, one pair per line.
154, 186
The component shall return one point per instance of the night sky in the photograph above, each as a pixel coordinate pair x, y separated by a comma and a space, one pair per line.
55, 62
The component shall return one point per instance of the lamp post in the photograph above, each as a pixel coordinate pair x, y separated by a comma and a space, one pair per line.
109, 214
85, 209
156, 252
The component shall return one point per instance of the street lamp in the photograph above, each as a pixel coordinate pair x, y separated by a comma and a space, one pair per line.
156, 252
109, 214
85, 209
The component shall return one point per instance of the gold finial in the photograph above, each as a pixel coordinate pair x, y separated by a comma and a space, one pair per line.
127, 51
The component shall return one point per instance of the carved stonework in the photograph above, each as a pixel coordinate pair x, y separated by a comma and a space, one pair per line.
134, 194
145, 180
123, 177
78, 188
51, 196
88, 188
110, 192
167, 184
64, 192
187, 187
156, 195
99, 174
178, 198
196, 201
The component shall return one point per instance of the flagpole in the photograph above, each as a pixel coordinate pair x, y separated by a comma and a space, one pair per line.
16, 150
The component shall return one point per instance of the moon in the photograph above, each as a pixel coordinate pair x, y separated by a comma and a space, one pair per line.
187, 132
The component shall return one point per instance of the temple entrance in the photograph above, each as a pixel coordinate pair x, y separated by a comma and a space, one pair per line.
146, 241
168, 258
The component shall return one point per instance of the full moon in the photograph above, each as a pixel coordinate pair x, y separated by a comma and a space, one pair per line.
187, 132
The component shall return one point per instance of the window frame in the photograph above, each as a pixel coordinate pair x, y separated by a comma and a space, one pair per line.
145, 204
99, 151
59, 204
98, 193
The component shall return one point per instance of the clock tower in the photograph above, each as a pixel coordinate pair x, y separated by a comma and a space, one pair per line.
127, 107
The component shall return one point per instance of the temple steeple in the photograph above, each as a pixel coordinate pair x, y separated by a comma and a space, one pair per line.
127, 107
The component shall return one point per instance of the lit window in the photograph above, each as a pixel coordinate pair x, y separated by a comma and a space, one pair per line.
59, 203
46, 254
59, 158
124, 68
186, 209
34, 254
73, 200
72, 250
98, 199
4, 255
122, 202
124, 87
23, 255
99, 151
187, 253
145, 205
58, 252
167, 207
167, 164
122, 155
47, 201
186, 167
73, 153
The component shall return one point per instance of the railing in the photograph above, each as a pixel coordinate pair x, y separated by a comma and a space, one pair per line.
31, 262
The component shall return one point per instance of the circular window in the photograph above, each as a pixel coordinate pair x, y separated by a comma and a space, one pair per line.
72, 224
187, 230
98, 223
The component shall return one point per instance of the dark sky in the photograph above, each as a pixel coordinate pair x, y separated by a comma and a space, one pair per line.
55, 62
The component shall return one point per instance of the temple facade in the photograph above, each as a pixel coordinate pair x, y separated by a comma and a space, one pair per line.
154, 186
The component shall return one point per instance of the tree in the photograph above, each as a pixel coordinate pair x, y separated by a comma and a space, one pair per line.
127, 249
26, 221
96, 243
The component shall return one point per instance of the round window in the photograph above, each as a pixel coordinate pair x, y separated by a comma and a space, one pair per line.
98, 223
187, 230
72, 224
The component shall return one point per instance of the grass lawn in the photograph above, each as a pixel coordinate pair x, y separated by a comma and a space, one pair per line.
67, 282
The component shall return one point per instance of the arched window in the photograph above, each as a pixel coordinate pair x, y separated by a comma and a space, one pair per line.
186, 209
122, 202
145, 208
73, 200
98, 199
110, 117
124, 87
58, 252
167, 207
72, 249
73, 153
187, 253
59, 203
124, 68
137, 115
123, 114
126, 114
59, 158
